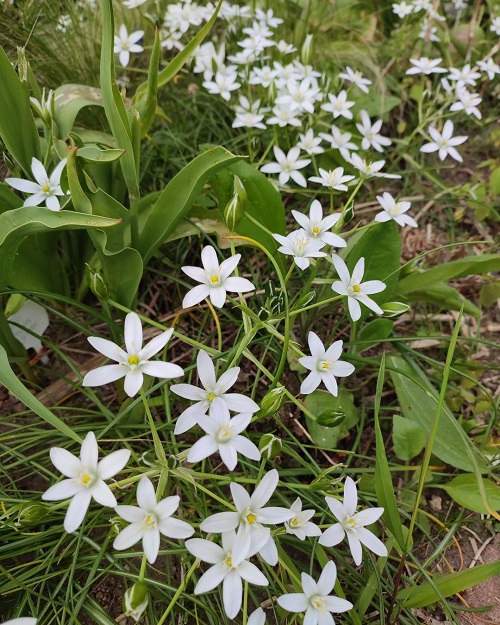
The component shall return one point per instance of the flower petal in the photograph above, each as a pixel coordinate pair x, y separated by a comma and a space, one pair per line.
62, 490
104, 375
162, 370
175, 528
108, 348
65, 462
264, 491
326, 580
133, 382
146, 495
113, 463
220, 522
195, 295
205, 550
370, 541
128, 537
103, 495
210, 579
206, 370
232, 594
131, 514
332, 536
133, 333
155, 345
89, 452
77, 510
294, 602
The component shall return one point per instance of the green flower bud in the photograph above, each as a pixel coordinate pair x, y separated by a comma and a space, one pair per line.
306, 50
235, 207
96, 283
31, 514
394, 309
272, 402
135, 600
270, 446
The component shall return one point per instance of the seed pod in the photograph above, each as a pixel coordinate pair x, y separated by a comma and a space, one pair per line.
270, 446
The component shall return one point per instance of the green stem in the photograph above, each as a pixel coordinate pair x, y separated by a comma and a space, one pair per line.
160, 452
179, 592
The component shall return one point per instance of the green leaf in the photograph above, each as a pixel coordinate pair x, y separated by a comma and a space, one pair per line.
69, 100
449, 271
445, 297
95, 155
10, 380
408, 438
8, 199
489, 293
419, 400
464, 490
375, 104
17, 126
426, 594
375, 331
324, 405
145, 100
178, 197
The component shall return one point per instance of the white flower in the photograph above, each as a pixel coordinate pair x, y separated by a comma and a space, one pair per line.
324, 365
258, 617
316, 600
299, 96
284, 116
125, 44
150, 519
495, 25
352, 524
133, 362
287, 166
464, 76
402, 9
309, 143
268, 18
227, 569
333, 179
489, 67
85, 479
213, 392
206, 56
45, 189
133, 4
422, 5
340, 141
300, 525
318, 227
223, 436
428, 31
394, 210
250, 518
356, 290
284, 47
28, 620
444, 142
356, 78
467, 102
425, 66
338, 105
222, 84
215, 279
262, 76
370, 169
286, 73
247, 115
370, 133
301, 246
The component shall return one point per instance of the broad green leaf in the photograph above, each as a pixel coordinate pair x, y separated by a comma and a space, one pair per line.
425, 594
419, 400
69, 100
375, 104
95, 155
383, 477
465, 491
178, 197
17, 125
8, 199
11, 381
408, 438
145, 100
321, 403
444, 296
449, 271
376, 330
17, 224
489, 293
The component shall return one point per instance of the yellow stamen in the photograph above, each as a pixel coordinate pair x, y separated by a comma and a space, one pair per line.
315, 230
46, 189
324, 365
294, 522
133, 360
149, 520
356, 288
229, 561
214, 279
351, 522
211, 396
86, 478
251, 518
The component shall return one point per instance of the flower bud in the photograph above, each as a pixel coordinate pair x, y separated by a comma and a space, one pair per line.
306, 50
272, 402
270, 446
235, 207
31, 514
96, 283
135, 600
394, 309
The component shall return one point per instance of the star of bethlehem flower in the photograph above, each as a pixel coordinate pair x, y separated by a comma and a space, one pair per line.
444, 143
45, 189
299, 96
422, 5
268, 18
283, 115
150, 519
134, 361
287, 166
301, 246
495, 25
227, 569
318, 227
263, 76
284, 47
206, 57
223, 435
258, 617
324, 365
215, 279
426, 66
250, 520
352, 524
309, 143
356, 78
464, 76
402, 9
85, 479
338, 105
333, 179
133, 4
222, 84
394, 210
248, 115
300, 525
370, 134
427, 31
467, 102
489, 67
125, 44
370, 169
340, 141
213, 393
316, 599
356, 290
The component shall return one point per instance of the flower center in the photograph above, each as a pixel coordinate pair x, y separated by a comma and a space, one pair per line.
356, 288
315, 230
46, 188
228, 561
86, 479
225, 432
250, 517
324, 365
351, 523
319, 603
214, 279
296, 522
133, 360
301, 244
211, 397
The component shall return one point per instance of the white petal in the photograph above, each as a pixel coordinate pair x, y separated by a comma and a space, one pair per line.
309, 586
77, 510
316, 346
326, 581
210, 579
131, 514
209, 259
55, 176
52, 203
350, 496
62, 490
206, 370
205, 550
265, 489
228, 266
103, 495
166, 507
220, 522
133, 382
238, 285
258, 617
146, 496
187, 420
155, 345
151, 544
228, 455
311, 383
232, 593
202, 449
369, 516
331, 383
26, 186
133, 333
65, 462
240, 496
370, 541
294, 602
218, 296
311, 616
195, 295
89, 452
341, 269
39, 172
162, 370
337, 604
108, 349
250, 573
240, 403
373, 286
332, 536
358, 271
104, 375
175, 528
336, 508
355, 547
246, 448
354, 308
128, 537
113, 463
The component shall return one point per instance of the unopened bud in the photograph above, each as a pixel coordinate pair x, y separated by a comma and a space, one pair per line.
331, 418
270, 446
32, 513
135, 600
96, 283
320, 483
306, 50
235, 207
394, 309
272, 402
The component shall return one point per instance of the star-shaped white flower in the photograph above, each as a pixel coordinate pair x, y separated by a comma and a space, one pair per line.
356, 78
370, 169
316, 599
339, 105
352, 524
370, 133
356, 290
340, 141
250, 519
214, 392
301, 246
318, 227
467, 102
402, 9
444, 143
134, 362
150, 519
394, 210
426, 66
125, 44
222, 84
85, 479
287, 166
300, 525
45, 189
215, 279
333, 179
489, 67
227, 569
309, 143
324, 365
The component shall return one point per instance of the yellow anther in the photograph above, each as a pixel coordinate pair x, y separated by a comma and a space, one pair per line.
133, 360
86, 478
315, 230
325, 365
356, 288
211, 396
351, 522
229, 561
214, 279
226, 431
251, 518
294, 522
149, 520
46, 189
